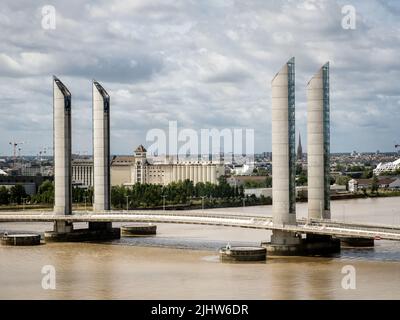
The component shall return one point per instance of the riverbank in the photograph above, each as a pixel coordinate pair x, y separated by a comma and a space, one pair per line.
208, 204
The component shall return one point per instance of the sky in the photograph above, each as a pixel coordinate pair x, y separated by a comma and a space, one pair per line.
203, 64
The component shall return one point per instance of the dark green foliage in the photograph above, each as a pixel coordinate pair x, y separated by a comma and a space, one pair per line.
17, 194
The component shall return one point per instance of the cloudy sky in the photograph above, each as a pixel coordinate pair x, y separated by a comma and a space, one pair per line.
204, 64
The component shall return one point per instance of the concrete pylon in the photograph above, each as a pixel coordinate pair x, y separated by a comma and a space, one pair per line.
101, 147
283, 152
101, 153
318, 148
62, 153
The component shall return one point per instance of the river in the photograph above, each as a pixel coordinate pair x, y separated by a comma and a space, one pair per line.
182, 262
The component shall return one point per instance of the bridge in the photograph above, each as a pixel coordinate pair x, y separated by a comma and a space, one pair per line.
303, 226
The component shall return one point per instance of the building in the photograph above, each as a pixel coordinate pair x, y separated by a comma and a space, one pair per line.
31, 169
318, 145
82, 172
243, 169
387, 167
363, 184
395, 185
31, 184
128, 170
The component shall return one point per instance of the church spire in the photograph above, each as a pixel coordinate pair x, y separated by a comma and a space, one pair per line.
299, 149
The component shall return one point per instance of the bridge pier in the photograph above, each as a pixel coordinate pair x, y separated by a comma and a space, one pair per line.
63, 226
283, 244
97, 231
290, 244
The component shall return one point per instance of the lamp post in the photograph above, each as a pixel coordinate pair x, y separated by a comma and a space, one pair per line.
202, 202
85, 197
127, 203
23, 203
163, 202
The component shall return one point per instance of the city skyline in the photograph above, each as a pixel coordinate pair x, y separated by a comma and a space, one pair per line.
169, 67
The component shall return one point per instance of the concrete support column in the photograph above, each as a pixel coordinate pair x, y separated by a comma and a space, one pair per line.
318, 149
62, 150
283, 146
101, 147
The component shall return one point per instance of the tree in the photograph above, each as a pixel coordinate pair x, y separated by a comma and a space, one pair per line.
342, 180
374, 184
367, 174
302, 179
45, 193
4, 195
268, 182
17, 193
118, 196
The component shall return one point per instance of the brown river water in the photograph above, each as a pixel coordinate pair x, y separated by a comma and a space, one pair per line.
182, 262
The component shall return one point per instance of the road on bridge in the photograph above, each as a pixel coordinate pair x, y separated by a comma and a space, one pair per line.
322, 227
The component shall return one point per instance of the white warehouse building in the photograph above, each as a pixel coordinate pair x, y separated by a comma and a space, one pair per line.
389, 166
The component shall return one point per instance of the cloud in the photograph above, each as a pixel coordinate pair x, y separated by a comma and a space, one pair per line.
204, 64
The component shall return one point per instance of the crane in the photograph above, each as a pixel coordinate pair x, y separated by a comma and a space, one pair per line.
15, 145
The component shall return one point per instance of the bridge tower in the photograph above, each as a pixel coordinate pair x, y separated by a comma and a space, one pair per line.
318, 149
284, 153
62, 153
101, 151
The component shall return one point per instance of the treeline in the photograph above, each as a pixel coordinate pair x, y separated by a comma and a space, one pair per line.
137, 195
265, 183
16, 194
45, 195
181, 192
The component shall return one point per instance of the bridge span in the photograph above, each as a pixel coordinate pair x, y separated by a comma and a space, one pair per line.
303, 226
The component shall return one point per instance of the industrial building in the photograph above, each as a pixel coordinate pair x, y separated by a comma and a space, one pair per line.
128, 170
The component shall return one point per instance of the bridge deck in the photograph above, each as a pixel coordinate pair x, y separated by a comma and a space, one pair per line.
322, 227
